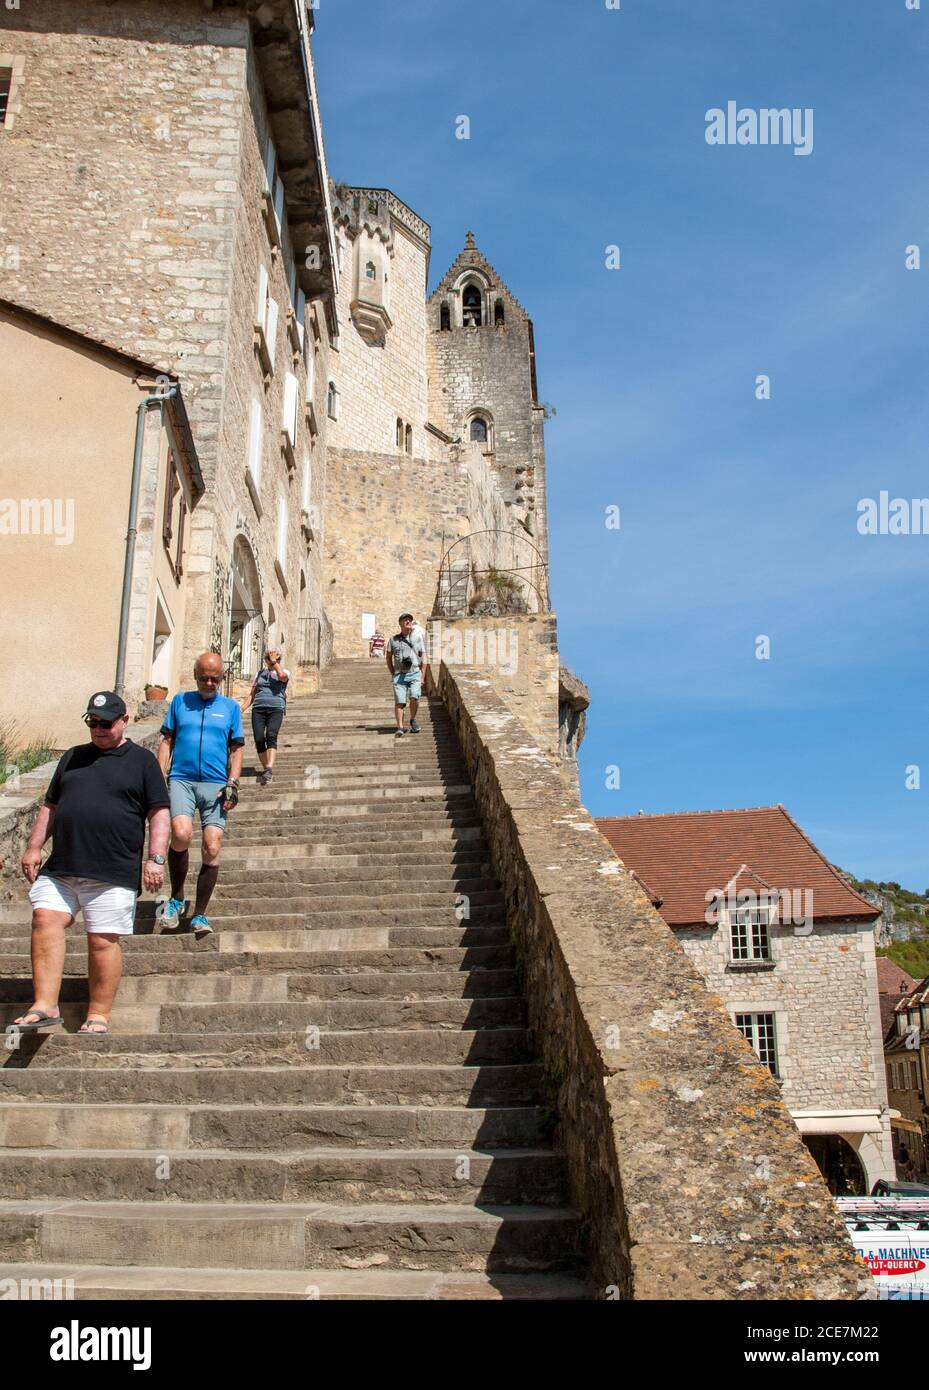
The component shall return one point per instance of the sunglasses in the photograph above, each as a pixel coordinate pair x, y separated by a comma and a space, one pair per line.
93, 723
209, 680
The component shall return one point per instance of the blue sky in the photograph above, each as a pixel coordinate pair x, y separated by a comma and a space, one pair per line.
738, 516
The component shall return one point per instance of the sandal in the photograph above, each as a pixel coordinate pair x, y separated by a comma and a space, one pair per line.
39, 1020
96, 1026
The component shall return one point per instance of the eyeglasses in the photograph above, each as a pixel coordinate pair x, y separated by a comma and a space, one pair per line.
209, 680
98, 723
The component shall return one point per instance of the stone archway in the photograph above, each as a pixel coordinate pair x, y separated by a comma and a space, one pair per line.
246, 624
839, 1163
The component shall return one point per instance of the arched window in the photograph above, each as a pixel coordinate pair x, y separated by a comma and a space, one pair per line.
445, 319
498, 313
370, 271
471, 307
479, 430
409, 439
399, 433
332, 401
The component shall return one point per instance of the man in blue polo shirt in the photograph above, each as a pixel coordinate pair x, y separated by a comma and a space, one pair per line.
202, 742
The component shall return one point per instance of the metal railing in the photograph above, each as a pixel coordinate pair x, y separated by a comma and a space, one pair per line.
517, 586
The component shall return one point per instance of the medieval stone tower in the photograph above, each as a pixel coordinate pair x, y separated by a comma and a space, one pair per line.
435, 432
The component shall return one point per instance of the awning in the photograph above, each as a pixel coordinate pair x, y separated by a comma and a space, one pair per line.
912, 1125
837, 1121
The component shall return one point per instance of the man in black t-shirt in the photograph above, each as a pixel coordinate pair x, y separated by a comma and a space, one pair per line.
96, 808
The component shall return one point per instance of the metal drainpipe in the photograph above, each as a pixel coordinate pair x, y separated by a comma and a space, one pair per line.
129, 563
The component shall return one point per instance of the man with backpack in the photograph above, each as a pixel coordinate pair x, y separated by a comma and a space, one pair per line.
407, 664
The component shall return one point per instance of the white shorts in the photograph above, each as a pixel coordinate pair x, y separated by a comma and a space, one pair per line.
105, 907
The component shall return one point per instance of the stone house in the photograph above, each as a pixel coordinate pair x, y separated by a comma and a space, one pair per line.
170, 198
906, 1055
789, 947
89, 432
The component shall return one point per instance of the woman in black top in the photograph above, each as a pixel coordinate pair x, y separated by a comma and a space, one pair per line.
268, 703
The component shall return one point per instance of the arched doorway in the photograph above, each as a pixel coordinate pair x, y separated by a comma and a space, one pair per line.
839, 1164
246, 625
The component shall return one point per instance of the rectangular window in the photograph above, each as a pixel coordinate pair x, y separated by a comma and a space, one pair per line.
6, 83
758, 1029
281, 531
173, 517
255, 431
749, 934
289, 422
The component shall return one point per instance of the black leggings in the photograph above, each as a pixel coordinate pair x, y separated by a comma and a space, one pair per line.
266, 725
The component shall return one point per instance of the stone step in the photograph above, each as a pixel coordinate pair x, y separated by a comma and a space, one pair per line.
338, 1014
149, 1283
146, 963
217, 987
420, 1046
245, 1235
178, 1128
502, 1084
351, 897
289, 939
475, 874
322, 1175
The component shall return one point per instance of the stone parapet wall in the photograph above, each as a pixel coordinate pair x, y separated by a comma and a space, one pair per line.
517, 657
690, 1176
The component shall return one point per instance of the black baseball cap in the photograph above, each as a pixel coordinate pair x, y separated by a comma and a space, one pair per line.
106, 704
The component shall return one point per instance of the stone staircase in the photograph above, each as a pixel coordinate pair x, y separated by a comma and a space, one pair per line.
334, 1096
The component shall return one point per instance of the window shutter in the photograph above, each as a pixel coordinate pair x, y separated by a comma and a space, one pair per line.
311, 375
307, 482
261, 303
279, 201
281, 531
179, 560
271, 328
270, 163
290, 408
292, 280
300, 313
254, 443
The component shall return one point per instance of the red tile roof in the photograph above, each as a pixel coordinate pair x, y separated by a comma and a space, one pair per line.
893, 984
684, 855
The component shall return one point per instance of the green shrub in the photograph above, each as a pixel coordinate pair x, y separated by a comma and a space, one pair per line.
18, 757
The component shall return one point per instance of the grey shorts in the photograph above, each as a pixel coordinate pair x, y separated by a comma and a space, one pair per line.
205, 797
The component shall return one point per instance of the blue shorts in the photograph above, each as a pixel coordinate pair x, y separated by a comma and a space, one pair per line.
407, 683
205, 797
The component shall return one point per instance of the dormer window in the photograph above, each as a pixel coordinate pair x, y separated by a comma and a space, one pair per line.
749, 935
471, 307
445, 319
478, 430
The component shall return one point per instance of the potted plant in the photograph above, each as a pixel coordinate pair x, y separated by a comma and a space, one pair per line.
156, 692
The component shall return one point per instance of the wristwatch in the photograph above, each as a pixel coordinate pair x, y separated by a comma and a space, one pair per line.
156, 859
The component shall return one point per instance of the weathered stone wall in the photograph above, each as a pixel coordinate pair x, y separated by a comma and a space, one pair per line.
388, 518
149, 236
517, 656
661, 1106
379, 383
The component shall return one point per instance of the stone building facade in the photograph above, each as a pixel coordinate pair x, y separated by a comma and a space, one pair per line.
365, 447
170, 198
906, 1056
777, 934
